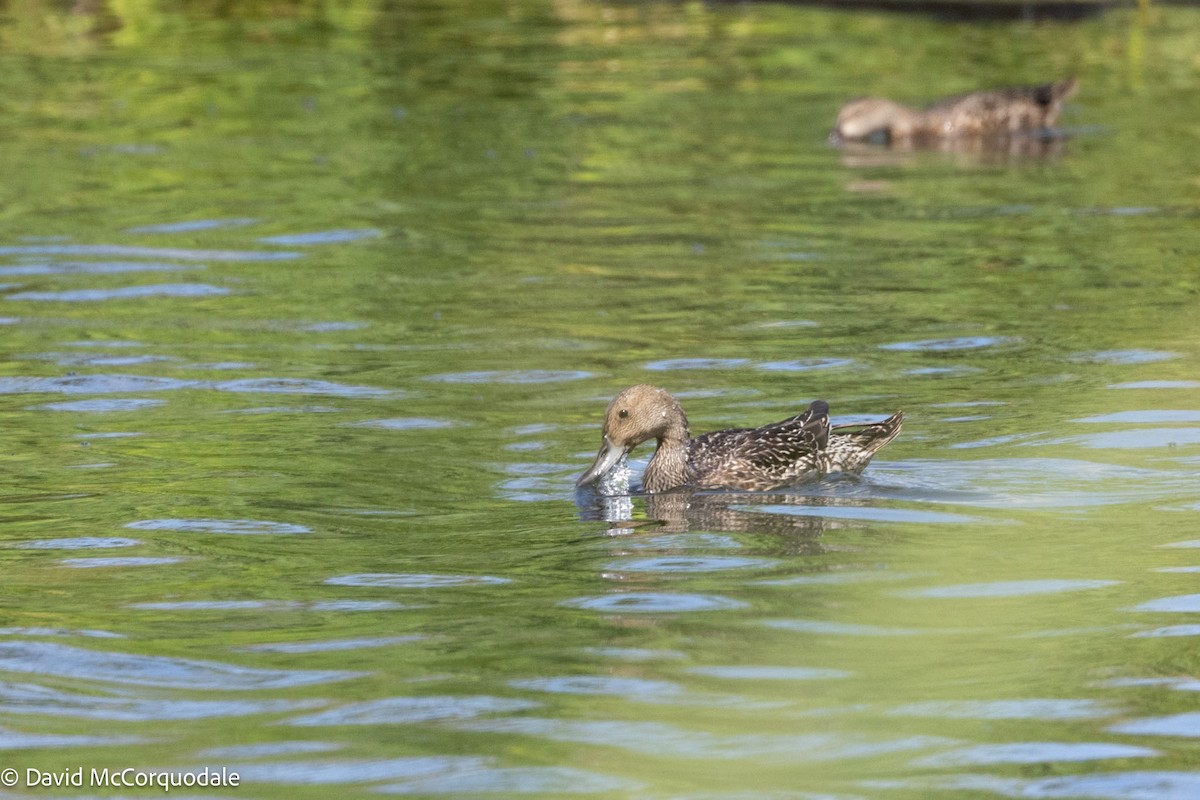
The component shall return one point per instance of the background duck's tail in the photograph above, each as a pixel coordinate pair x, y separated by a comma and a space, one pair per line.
852, 446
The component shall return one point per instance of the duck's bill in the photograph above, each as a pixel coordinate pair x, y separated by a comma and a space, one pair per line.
606, 459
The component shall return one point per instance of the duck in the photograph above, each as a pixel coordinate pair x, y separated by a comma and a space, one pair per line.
995, 113
780, 454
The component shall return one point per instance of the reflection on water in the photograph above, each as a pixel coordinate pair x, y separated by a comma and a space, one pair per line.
308, 319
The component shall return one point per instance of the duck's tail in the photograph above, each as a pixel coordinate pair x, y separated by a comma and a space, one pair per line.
852, 446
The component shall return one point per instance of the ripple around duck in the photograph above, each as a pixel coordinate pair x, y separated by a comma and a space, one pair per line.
653, 603
1035, 753
1006, 589
407, 710
867, 513
689, 564
240, 527
49, 658
960, 343
78, 543
103, 406
124, 293
512, 376
749, 672
129, 561
32, 698
398, 580
301, 386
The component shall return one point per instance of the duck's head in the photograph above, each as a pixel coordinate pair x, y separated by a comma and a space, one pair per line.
872, 119
634, 416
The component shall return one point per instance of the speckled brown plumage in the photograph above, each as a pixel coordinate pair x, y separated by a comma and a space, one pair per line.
755, 459
991, 113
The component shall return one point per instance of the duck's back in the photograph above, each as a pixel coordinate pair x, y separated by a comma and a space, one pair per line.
761, 458
1000, 111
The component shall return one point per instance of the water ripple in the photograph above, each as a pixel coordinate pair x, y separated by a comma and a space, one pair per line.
695, 363
837, 628
49, 658
804, 364
1185, 724
1035, 753
129, 561
123, 293
1007, 588
866, 513
353, 771
1094, 786
513, 780
240, 527
960, 343
1182, 603
301, 386
331, 645
512, 376
689, 563
653, 603
750, 672
94, 268
323, 237
1133, 356
407, 710
394, 580
1031, 708
119, 251
631, 688
78, 543
17, 740
102, 406
92, 384
1146, 416
32, 698
191, 225
664, 739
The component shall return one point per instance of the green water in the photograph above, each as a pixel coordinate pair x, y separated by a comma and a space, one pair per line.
310, 315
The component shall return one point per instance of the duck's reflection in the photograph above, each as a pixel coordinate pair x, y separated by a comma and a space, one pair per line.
720, 512
968, 151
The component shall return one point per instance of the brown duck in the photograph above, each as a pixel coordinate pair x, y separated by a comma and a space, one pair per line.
996, 113
754, 459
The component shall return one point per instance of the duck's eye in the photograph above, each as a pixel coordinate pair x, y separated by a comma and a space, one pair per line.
623, 413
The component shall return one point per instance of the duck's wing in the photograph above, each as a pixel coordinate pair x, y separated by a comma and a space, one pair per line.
749, 455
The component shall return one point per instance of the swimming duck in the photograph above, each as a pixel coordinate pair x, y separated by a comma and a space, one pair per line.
753, 459
993, 113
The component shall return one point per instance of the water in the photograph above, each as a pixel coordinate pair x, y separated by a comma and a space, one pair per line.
310, 318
